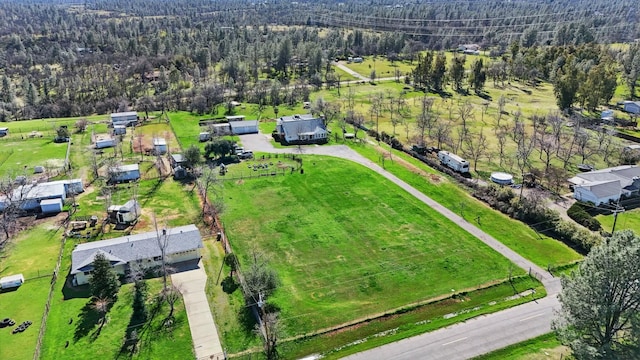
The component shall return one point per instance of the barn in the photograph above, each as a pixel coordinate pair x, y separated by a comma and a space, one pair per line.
244, 127
124, 173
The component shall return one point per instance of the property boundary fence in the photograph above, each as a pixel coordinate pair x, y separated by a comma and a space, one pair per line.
47, 307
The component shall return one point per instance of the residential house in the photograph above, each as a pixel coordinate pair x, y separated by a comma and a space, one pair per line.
183, 244
128, 118
125, 173
244, 127
606, 185
301, 129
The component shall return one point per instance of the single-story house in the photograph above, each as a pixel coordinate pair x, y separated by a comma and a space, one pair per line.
606, 185
124, 173
244, 127
176, 160
128, 118
183, 244
4, 131
104, 141
159, 146
125, 214
51, 206
119, 130
301, 129
632, 107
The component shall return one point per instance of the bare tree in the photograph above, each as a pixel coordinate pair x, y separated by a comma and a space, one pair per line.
14, 195
425, 120
209, 182
377, 106
557, 122
101, 306
502, 101
442, 131
476, 147
501, 136
582, 141
465, 113
357, 121
523, 154
162, 238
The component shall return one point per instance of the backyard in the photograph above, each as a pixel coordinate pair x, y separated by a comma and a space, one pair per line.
348, 244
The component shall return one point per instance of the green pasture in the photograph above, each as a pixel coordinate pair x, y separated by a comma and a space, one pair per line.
72, 320
542, 250
383, 67
348, 244
19, 157
629, 219
542, 347
33, 253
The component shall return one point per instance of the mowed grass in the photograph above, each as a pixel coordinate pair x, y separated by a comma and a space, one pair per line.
540, 249
32, 253
542, 347
19, 156
71, 320
629, 219
348, 244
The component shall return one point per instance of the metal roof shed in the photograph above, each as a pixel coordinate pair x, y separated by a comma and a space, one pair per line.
51, 206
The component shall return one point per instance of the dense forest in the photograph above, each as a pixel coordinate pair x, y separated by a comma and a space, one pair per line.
67, 58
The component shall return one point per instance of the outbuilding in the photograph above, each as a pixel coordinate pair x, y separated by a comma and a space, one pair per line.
632, 107
128, 118
159, 146
11, 281
502, 178
51, 206
244, 127
4, 131
104, 141
125, 214
124, 173
119, 130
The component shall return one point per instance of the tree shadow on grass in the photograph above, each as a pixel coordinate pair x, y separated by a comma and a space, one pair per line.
88, 319
229, 285
75, 292
247, 319
138, 332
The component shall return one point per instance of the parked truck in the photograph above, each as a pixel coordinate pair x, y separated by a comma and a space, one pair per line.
453, 162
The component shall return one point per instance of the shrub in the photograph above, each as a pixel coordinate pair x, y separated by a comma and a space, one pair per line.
582, 217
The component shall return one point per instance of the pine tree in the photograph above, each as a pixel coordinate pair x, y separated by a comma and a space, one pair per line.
104, 280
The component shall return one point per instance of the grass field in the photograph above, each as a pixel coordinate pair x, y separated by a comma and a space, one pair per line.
33, 253
541, 348
540, 249
627, 220
382, 66
344, 252
18, 156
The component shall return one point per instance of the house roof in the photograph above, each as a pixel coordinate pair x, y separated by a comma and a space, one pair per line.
239, 124
122, 114
128, 167
305, 124
604, 189
135, 247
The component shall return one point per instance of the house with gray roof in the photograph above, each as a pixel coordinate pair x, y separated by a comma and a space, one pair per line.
301, 129
183, 244
606, 185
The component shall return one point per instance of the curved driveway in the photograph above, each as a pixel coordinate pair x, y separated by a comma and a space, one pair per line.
463, 340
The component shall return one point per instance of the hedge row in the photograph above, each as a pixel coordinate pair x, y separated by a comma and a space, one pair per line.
578, 213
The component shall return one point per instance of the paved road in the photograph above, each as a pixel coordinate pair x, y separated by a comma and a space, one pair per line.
459, 341
204, 333
472, 338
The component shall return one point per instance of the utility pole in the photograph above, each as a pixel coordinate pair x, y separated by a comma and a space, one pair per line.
618, 210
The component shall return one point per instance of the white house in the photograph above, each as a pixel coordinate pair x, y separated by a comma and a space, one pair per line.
183, 244
244, 127
606, 185
159, 146
301, 129
124, 173
632, 107
128, 118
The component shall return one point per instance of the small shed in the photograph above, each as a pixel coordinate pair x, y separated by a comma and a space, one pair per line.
103, 142
244, 127
159, 146
38, 169
51, 206
176, 160
4, 131
632, 107
11, 281
204, 136
119, 130
125, 214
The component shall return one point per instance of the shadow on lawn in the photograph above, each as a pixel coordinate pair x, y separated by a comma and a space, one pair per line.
88, 319
139, 330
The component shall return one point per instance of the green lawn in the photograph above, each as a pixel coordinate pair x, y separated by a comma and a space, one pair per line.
32, 253
383, 67
543, 347
540, 249
18, 156
348, 244
627, 220
70, 320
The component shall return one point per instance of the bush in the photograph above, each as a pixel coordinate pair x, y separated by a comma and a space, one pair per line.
582, 217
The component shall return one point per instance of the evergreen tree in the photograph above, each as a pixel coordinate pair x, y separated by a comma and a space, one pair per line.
478, 76
456, 72
439, 71
104, 280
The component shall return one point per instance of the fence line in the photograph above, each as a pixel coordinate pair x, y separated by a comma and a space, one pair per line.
54, 277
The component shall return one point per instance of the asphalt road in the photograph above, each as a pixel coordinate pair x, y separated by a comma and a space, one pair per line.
472, 338
464, 340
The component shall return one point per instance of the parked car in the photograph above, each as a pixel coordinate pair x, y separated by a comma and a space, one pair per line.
248, 154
